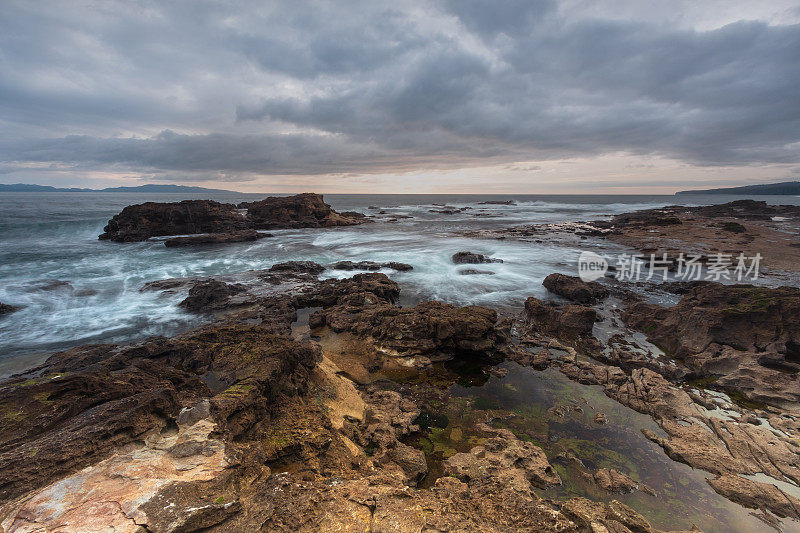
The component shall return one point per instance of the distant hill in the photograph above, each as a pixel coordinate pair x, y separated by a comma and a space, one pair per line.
786, 187
24, 187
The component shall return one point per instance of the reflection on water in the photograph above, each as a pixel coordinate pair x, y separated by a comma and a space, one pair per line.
546, 408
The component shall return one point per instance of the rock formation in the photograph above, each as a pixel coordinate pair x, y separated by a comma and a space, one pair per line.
151, 219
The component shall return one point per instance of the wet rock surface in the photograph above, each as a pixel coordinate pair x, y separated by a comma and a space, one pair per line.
151, 219
370, 265
561, 320
216, 238
241, 425
6, 308
425, 328
307, 210
574, 289
226, 222
746, 337
471, 258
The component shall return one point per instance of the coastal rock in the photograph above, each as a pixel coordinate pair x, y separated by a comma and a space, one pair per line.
188, 217
756, 495
370, 265
6, 308
84, 403
747, 336
423, 329
216, 238
307, 210
391, 418
471, 258
298, 267
473, 272
151, 219
503, 459
575, 289
361, 290
613, 481
567, 320
209, 295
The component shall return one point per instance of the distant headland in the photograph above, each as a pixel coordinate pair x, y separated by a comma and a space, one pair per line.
24, 187
786, 187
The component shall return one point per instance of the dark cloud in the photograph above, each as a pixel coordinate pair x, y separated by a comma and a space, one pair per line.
230, 91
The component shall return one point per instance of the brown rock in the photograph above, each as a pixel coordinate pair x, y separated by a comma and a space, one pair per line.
567, 320
208, 295
151, 219
425, 328
306, 210
756, 495
614, 481
575, 289
505, 460
746, 335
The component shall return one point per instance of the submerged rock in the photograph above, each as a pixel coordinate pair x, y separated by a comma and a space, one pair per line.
461, 258
575, 289
473, 272
298, 267
6, 308
613, 481
370, 265
217, 238
503, 459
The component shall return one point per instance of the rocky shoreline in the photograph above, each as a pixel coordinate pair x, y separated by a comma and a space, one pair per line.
305, 404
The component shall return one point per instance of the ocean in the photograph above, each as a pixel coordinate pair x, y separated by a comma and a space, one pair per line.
75, 289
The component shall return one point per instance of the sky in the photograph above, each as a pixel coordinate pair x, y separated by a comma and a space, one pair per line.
407, 96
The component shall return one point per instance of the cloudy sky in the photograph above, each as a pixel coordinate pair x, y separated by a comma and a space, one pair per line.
529, 96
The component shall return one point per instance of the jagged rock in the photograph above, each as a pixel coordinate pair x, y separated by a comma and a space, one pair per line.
503, 459
575, 289
498, 202
391, 418
298, 267
461, 258
151, 219
472, 272
425, 328
360, 290
567, 320
743, 334
83, 403
217, 238
613, 481
306, 210
208, 295
601, 517
756, 495
370, 265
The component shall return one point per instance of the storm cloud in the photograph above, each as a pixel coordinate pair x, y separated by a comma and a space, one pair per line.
236, 90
